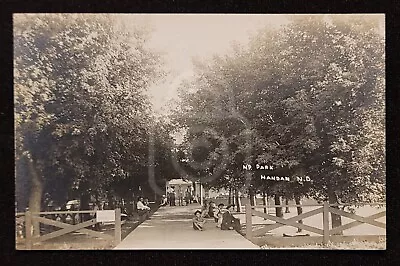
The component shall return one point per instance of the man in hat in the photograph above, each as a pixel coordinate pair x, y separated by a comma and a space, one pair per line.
142, 210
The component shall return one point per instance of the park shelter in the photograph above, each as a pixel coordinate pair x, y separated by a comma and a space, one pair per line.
178, 185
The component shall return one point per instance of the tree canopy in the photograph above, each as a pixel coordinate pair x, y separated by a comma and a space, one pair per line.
307, 97
82, 115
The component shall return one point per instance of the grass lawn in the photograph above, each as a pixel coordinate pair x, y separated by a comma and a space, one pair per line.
354, 245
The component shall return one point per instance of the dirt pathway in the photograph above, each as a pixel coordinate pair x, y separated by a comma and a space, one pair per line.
171, 228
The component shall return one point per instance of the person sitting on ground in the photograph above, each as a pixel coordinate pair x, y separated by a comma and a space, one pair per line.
198, 221
211, 209
163, 201
204, 210
142, 209
218, 212
229, 222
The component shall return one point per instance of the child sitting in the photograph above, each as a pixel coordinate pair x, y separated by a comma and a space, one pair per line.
205, 209
211, 209
198, 221
218, 212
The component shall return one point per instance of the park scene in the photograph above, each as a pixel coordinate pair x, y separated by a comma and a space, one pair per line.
199, 131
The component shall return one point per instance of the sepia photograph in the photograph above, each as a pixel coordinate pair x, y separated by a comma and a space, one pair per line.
199, 131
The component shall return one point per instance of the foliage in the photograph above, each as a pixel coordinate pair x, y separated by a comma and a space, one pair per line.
310, 97
80, 105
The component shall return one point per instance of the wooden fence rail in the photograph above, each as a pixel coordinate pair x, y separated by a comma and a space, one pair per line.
315, 205
30, 217
243, 208
325, 209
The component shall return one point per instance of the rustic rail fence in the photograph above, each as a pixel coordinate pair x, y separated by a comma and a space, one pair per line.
25, 221
324, 208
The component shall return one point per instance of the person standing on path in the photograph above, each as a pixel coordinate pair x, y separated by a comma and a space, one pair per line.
180, 196
186, 196
173, 203
95, 209
169, 197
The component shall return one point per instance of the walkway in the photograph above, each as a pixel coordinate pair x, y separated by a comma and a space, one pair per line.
171, 228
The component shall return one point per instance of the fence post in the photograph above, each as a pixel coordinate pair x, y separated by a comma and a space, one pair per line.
249, 226
28, 230
326, 223
117, 226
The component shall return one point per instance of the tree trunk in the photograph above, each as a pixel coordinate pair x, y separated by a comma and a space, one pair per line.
265, 202
110, 201
84, 199
96, 196
237, 203
299, 210
252, 197
35, 198
287, 208
336, 219
201, 196
230, 196
84, 206
278, 210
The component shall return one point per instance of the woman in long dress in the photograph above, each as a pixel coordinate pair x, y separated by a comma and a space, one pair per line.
229, 222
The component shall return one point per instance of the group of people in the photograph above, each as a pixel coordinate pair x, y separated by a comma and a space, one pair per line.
222, 216
184, 198
143, 209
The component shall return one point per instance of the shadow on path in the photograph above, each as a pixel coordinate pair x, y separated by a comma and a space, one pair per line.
171, 228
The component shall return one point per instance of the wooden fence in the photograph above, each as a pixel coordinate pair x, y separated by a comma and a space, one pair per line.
324, 208
28, 218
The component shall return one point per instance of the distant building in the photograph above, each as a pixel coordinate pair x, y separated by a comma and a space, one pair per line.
178, 185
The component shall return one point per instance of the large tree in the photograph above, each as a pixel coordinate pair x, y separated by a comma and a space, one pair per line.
311, 97
82, 115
